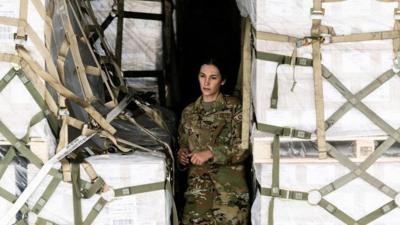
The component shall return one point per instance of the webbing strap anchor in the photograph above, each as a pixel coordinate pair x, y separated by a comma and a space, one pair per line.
275, 192
386, 209
317, 14
397, 199
63, 112
20, 40
396, 63
397, 13
314, 197
287, 131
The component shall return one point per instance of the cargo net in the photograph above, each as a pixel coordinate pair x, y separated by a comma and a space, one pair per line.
328, 77
63, 106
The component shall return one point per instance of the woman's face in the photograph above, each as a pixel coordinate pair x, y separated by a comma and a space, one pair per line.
210, 81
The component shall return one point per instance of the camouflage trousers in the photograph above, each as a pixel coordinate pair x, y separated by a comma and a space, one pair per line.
205, 205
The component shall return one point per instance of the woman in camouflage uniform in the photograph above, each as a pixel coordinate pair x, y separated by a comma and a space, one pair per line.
209, 138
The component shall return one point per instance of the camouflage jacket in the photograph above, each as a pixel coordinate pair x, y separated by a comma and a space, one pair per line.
219, 130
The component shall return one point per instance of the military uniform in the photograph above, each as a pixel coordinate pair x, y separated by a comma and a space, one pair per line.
217, 191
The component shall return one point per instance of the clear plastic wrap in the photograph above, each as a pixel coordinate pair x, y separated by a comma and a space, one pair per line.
355, 64
142, 39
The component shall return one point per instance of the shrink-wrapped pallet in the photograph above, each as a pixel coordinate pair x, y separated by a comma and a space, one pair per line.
361, 129
142, 39
118, 171
355, 64
18, 106
357, 199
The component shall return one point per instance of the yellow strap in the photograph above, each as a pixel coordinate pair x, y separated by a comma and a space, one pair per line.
268, 36
396, 41
74, 48
9, 21
317, 5
63, 141
89, 170
64, 91
370, 36
23, 15
92, 70
62, 55
318, 89
40, 85
97, 68
42, 12
246, 62
43, 51
75, 123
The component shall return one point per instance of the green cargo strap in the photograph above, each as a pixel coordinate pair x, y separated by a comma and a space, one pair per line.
363, 166
360, 105
283, 131
6, 79
20, 146
12, 198
385, 209
271, 211
360, 95
283, 59
275, 166
95, 211
8, 158
34, 120
275, 177
39, 101
76, 193
378, 152
175, 220
139, 189
361, 173
42, 221
89, 189
340, 182
21, 222
274, 94
285, 194
370, 36
47, 194
337, 212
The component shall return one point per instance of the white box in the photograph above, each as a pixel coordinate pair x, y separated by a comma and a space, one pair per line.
118, 171
357, 198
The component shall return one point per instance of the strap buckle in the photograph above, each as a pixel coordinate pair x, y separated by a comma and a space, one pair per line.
109, 194
287, 131
275, 192
287, 194
63, 112
317, 14
20, 40
397, 14
326, 39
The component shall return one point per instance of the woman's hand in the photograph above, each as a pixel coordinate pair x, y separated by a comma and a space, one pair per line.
198, 158
183, 156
